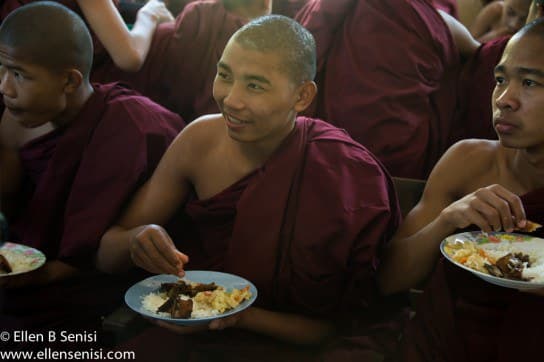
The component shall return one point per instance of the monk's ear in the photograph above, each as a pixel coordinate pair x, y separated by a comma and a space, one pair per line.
305, 95
73, 80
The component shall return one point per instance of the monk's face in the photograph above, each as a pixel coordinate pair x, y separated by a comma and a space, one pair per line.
32, 95
514, 14
518, 98
257, 99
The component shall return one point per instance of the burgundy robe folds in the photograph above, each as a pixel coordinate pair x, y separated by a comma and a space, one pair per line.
477, 81
307, 229
462, 318
78, 181
182, 62
288, 7
389, 78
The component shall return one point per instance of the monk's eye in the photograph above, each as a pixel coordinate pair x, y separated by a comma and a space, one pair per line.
529, 83
255, 86
223, 75
499, 80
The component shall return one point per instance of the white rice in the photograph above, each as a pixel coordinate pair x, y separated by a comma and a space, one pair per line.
18, 261
152, 301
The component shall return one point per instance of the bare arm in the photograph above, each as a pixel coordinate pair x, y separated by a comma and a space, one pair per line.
464, 41
486, 19
441, 211
137, 238
128, 49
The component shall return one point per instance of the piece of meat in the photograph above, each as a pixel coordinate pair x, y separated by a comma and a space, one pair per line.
182, 308
173, 289
512, 265
493, 270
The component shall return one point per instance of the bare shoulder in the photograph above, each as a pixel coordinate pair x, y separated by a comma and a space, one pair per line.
493, 9
200, 136
464, 165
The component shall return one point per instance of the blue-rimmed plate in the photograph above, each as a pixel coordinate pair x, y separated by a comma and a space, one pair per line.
135, 295
21, 258
492, 241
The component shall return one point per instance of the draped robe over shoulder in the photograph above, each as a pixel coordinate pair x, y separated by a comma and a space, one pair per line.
77, 180
388, 76
181, 65
462, 318
307, 229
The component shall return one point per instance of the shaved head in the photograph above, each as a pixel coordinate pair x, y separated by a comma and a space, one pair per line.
282, 35
50, 35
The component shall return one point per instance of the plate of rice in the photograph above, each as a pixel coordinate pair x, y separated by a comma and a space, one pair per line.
212, 295
505, 259
18, 259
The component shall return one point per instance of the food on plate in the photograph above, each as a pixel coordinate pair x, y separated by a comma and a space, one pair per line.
185, 299
5, 266
510, 256
530, 226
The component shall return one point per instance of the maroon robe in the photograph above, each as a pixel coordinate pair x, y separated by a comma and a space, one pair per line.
78, 180
288, 7
449, 6
388, 77
462, 318
307, 229
182, 62
477, 81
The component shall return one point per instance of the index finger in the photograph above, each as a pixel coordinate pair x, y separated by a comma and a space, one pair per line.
165, 246
516, 206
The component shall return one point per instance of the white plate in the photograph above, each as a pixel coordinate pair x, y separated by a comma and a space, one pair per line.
479, 238
134, 296
32, 258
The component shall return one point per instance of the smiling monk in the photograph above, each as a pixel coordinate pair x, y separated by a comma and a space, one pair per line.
292, 204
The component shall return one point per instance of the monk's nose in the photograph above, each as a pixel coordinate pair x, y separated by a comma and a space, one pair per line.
234, 98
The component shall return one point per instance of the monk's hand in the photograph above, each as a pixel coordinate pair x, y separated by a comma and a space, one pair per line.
215, 325
199, 328
491, 208
228, 322
153, 250
156, 10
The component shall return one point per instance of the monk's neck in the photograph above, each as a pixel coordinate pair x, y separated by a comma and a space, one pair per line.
256, 154
528, 165
74, 103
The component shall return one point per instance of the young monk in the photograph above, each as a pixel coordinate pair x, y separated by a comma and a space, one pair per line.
500, 18
292, 204
400, 107
491, 185
474, 110
71, 154
115, 46
180, 70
